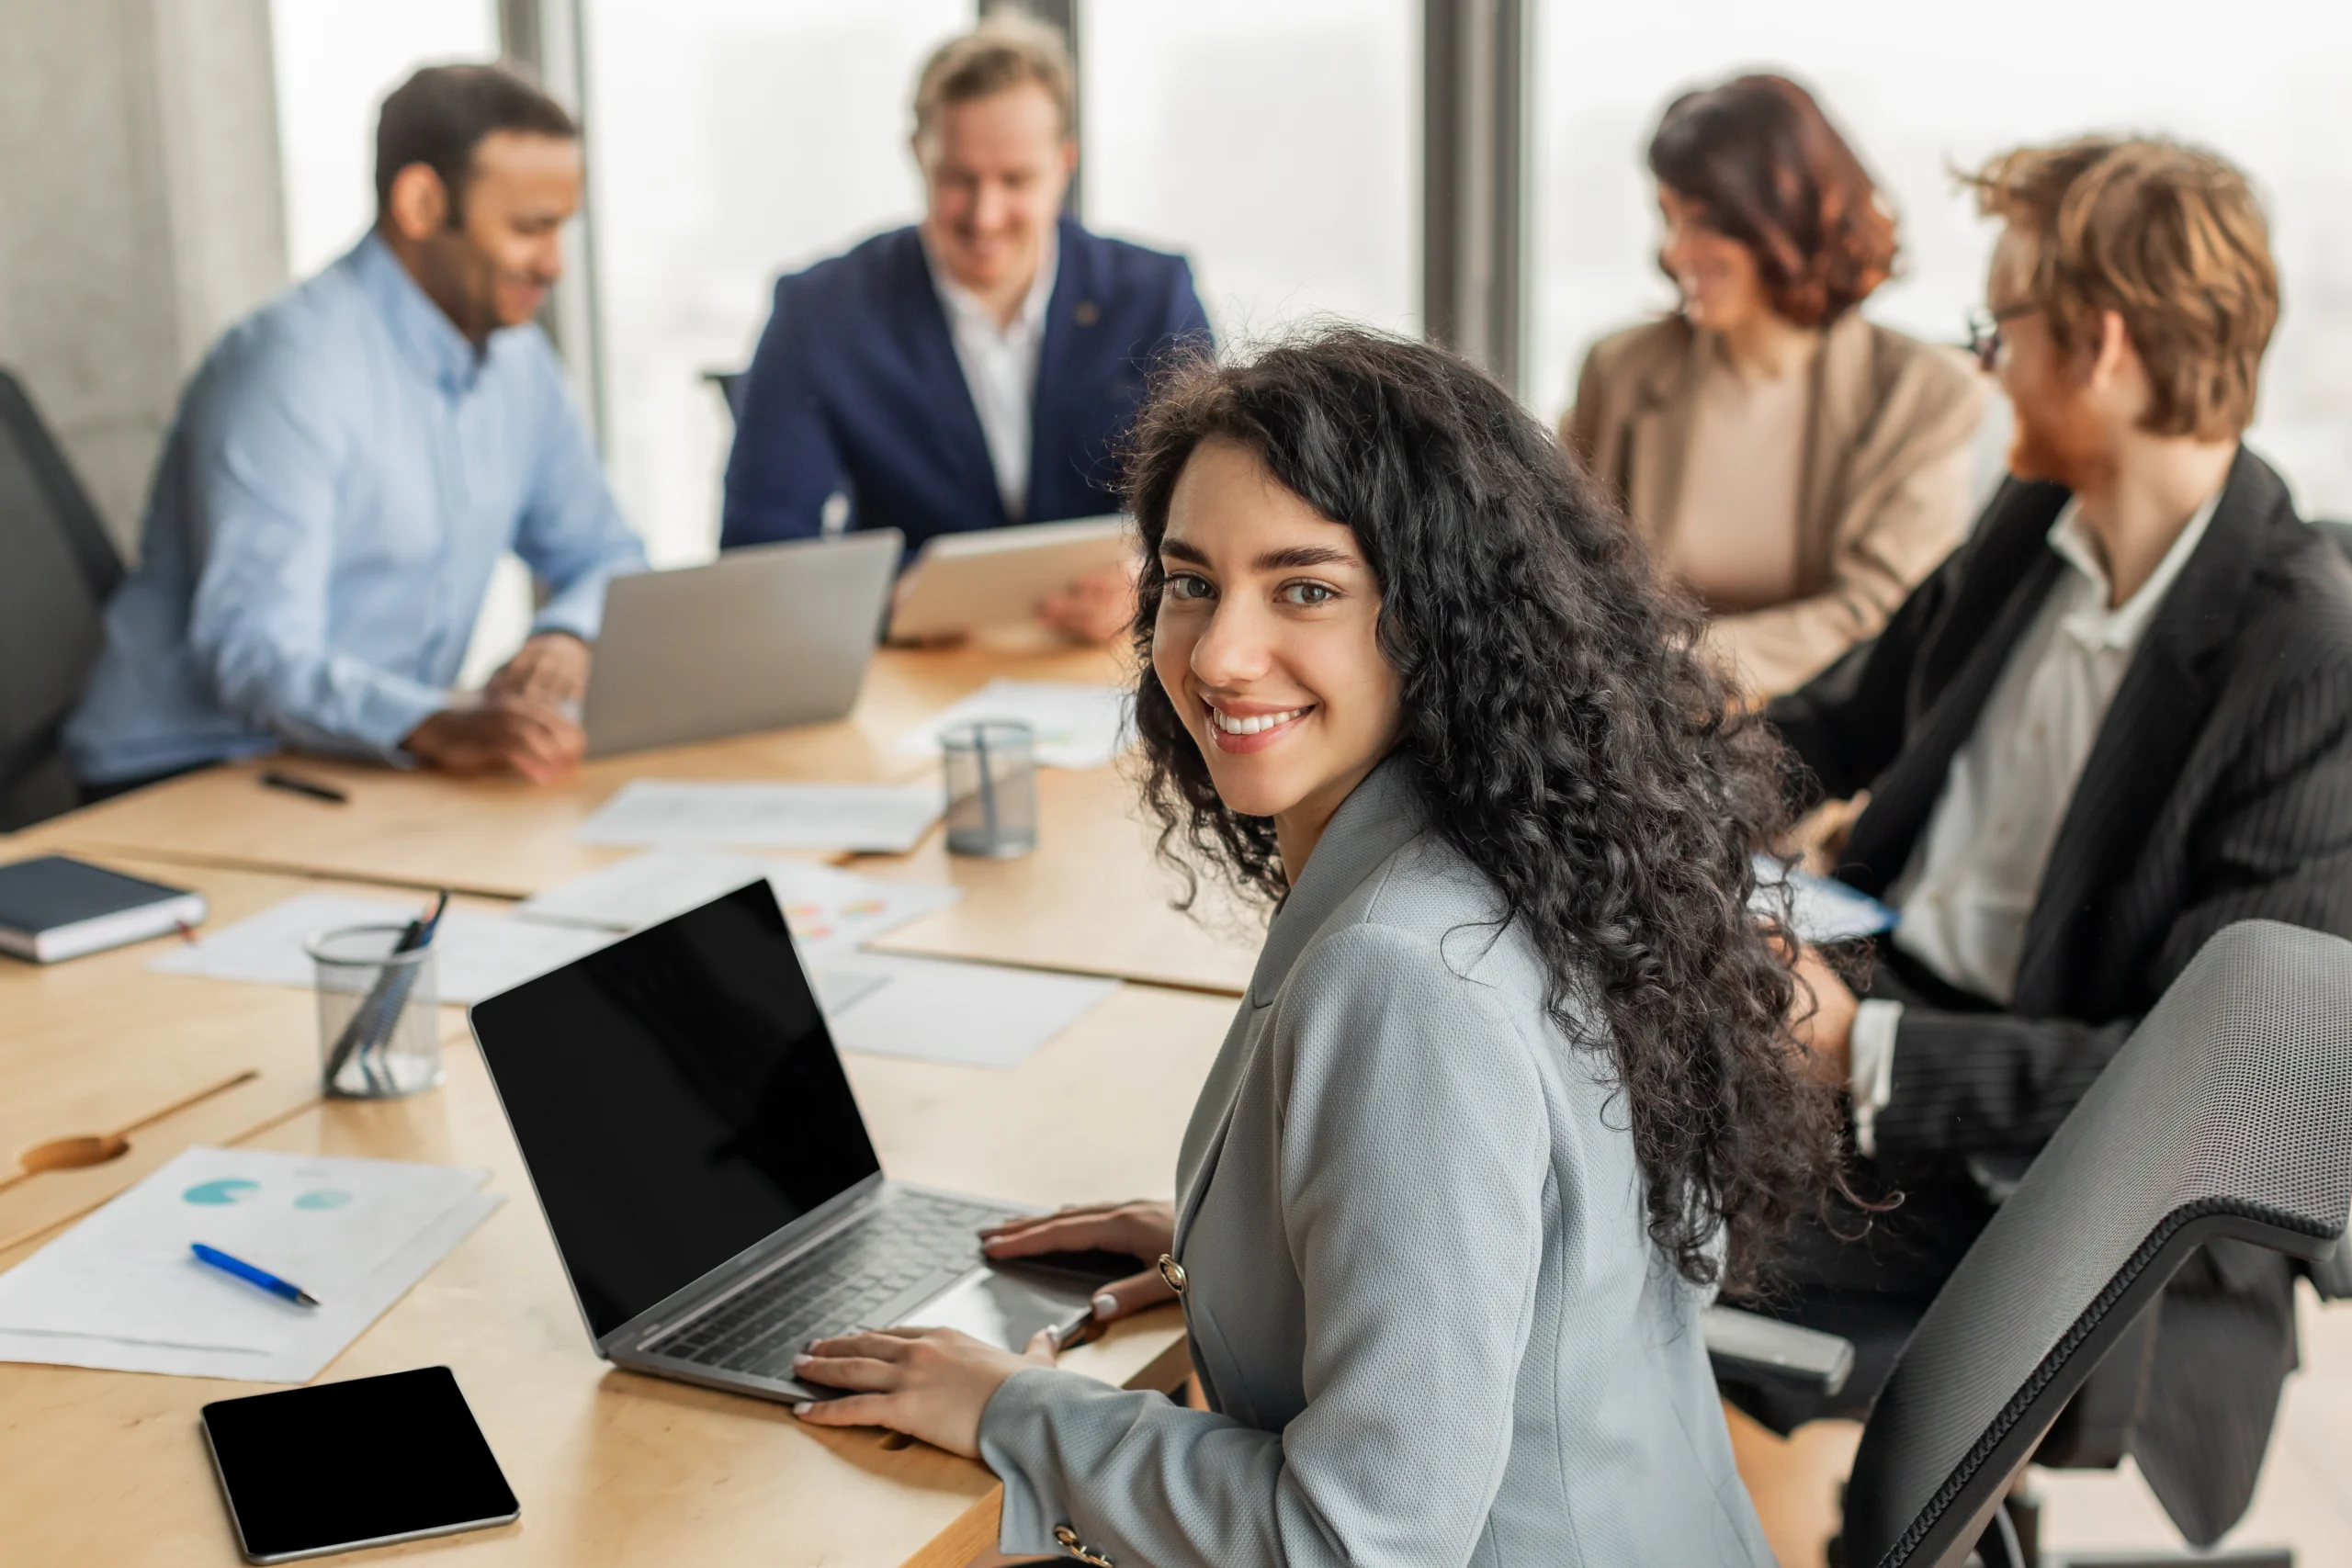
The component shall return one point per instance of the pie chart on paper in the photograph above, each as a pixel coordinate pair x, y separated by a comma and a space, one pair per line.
229, 1189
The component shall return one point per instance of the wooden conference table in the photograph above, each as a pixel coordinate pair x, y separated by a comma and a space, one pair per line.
1091, 897
612, 1468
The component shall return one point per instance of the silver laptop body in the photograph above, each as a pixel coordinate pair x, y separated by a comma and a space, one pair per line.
675, 1093
763, 637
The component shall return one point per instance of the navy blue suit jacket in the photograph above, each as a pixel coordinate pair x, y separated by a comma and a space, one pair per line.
856, 387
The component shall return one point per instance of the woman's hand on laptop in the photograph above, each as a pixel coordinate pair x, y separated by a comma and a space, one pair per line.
1141, 1230
931, 1383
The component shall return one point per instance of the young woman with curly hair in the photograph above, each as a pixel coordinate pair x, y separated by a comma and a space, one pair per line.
1511, 1088
1797, 467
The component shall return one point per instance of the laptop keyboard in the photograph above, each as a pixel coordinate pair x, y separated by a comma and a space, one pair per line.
914, 1238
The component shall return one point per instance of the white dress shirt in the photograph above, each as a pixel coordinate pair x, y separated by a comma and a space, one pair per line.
1000, 369
1970, 885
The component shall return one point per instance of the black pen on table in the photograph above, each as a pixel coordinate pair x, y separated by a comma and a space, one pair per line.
380, 1009
294, 784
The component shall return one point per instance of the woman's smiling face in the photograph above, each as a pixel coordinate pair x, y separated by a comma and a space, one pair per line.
1266, 642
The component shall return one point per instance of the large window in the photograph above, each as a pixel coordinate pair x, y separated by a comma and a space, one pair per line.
729, 140
1276, 143
335, 61
1272, 140
1921, 91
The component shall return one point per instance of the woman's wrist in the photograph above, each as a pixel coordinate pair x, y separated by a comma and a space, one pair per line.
997, 1402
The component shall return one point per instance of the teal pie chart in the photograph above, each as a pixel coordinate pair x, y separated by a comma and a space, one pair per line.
229, 1190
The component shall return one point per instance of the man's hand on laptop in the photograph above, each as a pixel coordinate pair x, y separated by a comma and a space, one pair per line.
1098, 607
1141, 1230
931, 1383
551, 666
500, 734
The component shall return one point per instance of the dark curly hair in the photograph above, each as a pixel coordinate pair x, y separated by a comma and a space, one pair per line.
1767, 169
1566, 733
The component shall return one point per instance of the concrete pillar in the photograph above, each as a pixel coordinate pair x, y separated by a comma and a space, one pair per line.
140, 213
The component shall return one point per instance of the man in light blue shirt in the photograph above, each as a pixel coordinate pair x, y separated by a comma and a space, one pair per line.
349, 464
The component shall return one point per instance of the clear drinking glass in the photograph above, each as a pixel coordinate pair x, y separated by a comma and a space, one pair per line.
380, 1033
991, 789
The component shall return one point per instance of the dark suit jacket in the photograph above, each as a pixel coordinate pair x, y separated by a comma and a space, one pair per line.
856, 386
2219, 789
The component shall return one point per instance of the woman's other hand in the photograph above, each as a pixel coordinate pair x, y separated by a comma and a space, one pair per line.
1143, 1230
931, 1383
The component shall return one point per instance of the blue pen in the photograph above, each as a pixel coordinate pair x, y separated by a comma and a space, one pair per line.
252, 1276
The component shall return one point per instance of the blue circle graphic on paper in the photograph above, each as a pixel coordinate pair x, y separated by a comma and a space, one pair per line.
325, 1198
231, 1190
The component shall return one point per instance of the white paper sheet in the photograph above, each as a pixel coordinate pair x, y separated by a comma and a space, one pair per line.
1077, 726
976, 1014
1821, 909
829, 911
121, 1290
682, 813
475, 954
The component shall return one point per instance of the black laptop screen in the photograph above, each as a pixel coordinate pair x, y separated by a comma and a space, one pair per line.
677, 1098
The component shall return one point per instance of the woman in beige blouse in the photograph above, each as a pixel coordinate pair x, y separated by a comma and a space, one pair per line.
1797, 467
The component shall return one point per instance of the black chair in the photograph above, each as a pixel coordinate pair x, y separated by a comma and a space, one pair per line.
57, 571
2226, 1118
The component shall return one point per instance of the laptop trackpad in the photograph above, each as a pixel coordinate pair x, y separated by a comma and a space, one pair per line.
999, 1309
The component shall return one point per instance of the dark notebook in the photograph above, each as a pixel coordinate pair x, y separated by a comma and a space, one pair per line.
53, 908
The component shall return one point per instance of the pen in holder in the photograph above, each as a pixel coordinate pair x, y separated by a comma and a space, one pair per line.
379, 1032
991, 788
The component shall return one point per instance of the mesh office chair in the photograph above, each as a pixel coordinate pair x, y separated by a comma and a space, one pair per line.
2227, 1117
57, 571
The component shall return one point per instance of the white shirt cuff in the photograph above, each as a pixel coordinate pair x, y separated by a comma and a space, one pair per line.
1870, 1066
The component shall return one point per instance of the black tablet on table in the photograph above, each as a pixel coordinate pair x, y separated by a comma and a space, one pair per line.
342, 1465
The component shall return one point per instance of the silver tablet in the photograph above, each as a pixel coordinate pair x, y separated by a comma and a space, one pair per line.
994, 577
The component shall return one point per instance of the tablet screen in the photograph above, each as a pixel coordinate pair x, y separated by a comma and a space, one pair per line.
342, 1465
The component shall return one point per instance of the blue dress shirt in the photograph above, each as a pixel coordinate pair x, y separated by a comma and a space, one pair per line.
855, 387
343, 472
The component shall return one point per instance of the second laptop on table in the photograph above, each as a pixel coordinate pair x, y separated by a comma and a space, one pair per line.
760, 639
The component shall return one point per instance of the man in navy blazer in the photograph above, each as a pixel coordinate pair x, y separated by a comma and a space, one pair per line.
978, 369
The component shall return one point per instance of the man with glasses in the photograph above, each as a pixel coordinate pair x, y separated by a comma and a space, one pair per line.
2117, 719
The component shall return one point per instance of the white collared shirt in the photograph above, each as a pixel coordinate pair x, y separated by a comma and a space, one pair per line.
1974, 877
1000, 369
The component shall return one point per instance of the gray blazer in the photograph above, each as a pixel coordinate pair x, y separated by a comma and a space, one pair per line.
1421, 1297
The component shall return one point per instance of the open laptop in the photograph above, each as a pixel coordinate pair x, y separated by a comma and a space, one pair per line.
981, 578
702, 1163
761, 638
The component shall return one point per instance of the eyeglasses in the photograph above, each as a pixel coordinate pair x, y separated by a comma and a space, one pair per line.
1985, 339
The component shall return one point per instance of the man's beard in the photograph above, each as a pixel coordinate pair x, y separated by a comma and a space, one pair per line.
2063, 444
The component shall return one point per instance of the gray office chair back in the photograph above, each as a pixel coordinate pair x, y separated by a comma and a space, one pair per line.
57, 571
2227, 1114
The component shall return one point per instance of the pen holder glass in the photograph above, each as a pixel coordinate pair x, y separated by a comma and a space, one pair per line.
991, 789
379, 1033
